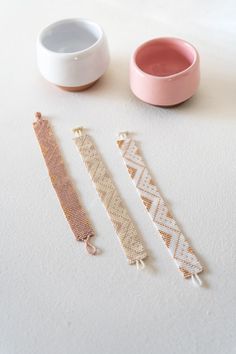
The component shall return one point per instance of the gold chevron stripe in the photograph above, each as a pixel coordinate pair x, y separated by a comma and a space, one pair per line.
122, 223
182, 253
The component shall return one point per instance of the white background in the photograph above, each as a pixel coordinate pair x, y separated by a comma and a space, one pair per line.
56, 299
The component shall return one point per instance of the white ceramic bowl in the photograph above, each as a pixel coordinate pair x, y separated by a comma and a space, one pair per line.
72, 53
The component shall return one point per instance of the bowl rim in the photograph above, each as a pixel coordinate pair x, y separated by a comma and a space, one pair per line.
180, 73
74, 53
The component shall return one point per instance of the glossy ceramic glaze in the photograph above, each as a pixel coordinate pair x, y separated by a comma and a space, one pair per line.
164, 71
72, 53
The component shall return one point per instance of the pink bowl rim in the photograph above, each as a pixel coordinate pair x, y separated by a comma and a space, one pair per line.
180, 73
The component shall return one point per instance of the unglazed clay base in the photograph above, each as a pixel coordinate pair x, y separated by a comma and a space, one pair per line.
164, 71
172, 105
72, 52
78, 88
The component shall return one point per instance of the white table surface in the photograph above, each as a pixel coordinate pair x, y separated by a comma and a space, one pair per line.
56, 299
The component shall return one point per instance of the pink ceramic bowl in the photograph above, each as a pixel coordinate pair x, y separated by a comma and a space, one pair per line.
164, 71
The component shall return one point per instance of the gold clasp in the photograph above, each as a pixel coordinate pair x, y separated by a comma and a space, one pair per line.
78, 131
123, 135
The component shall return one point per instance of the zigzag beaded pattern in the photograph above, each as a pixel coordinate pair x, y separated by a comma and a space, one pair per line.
125, 229
75, 214
174, 240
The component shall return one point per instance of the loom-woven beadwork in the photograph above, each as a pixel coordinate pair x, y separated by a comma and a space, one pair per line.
125, 229
174, 240
74, 212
